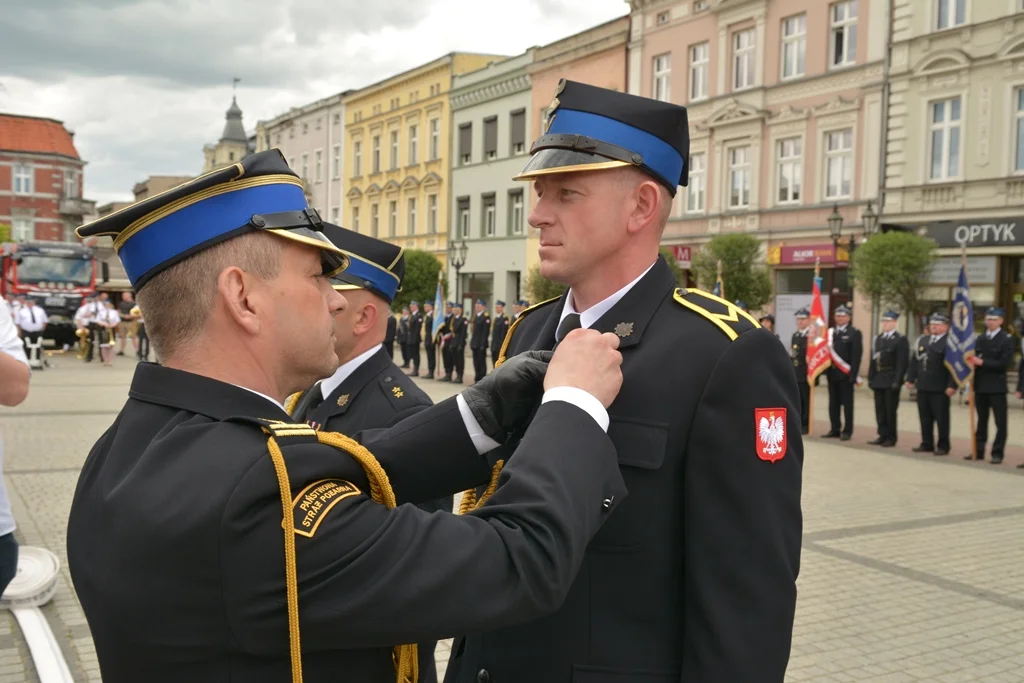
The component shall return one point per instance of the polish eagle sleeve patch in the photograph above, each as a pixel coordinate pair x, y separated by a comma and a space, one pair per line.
770, 427
313, 503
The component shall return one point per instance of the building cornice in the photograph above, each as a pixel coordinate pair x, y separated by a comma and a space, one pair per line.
491, 91
296, 112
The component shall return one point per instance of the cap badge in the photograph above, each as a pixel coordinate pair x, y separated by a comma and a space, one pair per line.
624, 329
343, 400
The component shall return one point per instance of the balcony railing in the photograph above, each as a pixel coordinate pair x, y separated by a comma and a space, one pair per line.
76, 206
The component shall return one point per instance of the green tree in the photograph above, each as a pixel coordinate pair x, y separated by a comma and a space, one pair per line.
742, 276
539, 288
895, 267
420, 283
676, 270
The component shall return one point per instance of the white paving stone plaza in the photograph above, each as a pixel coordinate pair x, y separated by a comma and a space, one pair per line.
912, 570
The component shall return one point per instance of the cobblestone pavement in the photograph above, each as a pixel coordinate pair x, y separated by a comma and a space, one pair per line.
913, 566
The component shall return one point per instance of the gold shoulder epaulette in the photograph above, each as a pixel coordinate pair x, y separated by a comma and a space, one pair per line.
291, 402
728, 317
512, 328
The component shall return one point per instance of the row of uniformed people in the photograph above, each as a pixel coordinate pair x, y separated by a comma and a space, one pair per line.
894, 363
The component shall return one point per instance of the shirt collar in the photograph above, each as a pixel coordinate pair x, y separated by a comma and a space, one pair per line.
275, 402
594, 313
328, 385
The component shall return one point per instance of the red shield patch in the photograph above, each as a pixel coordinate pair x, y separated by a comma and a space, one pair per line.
770, 429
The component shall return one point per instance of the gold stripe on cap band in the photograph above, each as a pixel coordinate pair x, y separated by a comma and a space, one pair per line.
189, 200
600, 166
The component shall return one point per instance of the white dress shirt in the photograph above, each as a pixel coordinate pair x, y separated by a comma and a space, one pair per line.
328, 385
594, 313
31, 318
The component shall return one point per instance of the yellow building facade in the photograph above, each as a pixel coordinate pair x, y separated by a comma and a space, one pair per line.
398, 154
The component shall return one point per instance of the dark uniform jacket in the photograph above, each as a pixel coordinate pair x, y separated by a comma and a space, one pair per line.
693, 579
415, 328
175, 541
798, 354
499, 328
457, 327
403, 330
481, 331
390, 333
990, 377
889, 360
428, 328
928, 369
849, 345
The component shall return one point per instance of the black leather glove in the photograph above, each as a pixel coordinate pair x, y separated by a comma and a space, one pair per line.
506, 398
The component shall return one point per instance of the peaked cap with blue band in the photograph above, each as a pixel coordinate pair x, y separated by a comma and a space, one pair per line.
259, 193
591, 128
374, 264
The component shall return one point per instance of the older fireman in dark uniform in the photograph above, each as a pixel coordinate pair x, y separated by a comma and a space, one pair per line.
935, 385
207, 525
389, 336
499, 328
848, 344
890, 356
444, 336
693, 579
457, 332
798, 353
428, 339
480, 339
415, 336
993, 354
368, 390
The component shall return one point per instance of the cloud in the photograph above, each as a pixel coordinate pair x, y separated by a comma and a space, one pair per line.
145, 83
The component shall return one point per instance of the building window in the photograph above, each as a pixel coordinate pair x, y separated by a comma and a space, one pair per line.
374, 220
23, 229
699, 72
336, 162
517, 131
337, 119
491, 138
277, 139
462, 228
291, 133
465, 143
392, 218
318, 157
794, 46
231, 156
515, 212
698, 183
22, 179
335, 211
839, 164
743, 59
790, 170
412, 215
71, 183
355, 218
375, 152
950, 13
844, 33
291, 164
305, 128
394, 149
739, 177
432, 214
435, 139
414, 143
318, 123
1019, 160
488, 214
945, 144
305, 167
662, 74
357, 159
662, 18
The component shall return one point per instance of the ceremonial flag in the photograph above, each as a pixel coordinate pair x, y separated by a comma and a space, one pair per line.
960, 340
719, 289
438, 307
819, 351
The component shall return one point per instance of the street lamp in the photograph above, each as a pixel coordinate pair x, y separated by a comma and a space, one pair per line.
457, 258
870, 219
835, 225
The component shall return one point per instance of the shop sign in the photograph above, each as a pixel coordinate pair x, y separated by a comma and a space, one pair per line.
683, 255
993, 232
811, 253
981, 270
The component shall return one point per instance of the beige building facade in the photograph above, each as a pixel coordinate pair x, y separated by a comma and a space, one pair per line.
312, 140
954, 159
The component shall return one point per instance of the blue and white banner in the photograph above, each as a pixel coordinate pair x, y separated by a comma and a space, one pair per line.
961, 337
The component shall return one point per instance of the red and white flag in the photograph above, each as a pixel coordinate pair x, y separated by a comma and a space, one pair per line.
819, 339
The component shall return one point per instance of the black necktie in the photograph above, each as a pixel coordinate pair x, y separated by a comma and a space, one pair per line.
32, 312
315, 399
569, 323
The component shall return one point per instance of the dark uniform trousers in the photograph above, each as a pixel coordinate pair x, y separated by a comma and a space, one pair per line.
798, 354
457, 345
175, 541
415, 337
403, 340
656, 598
377, 394
428, 344
390, 334
446, 347
499, 329
478, 343
928, 372
990, 389
889, 359
849, 345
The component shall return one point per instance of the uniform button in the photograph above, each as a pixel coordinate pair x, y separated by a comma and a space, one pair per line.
387, 379
483, 676
607, 502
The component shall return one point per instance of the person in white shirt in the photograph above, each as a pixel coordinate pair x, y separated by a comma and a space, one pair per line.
108, 319
31, 320
14, 376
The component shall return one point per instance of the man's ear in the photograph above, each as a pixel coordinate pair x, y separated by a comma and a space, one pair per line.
648, 206
366, 319
235, 294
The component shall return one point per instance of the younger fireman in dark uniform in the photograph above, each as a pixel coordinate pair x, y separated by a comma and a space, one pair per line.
456, 344
935, 385
890, 356
499, 328
428, 339
208, 528
415, 336
848, 345
480, 339
798, 354
706, 428
993, 354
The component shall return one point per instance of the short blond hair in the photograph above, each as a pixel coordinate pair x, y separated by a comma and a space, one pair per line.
176, 302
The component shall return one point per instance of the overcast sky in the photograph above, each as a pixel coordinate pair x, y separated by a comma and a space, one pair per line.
145, 83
